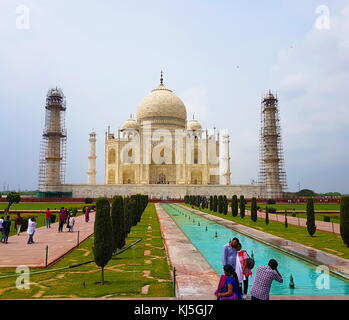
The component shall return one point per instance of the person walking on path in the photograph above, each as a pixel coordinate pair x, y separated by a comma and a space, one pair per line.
263, 280
66, 215
31, 230
228, 288
87, 214
6, 229
229, 253
1, 228
19, 222
243, 258
61, 220
48, 218
71, 223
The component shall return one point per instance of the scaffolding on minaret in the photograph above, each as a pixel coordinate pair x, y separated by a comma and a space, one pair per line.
272, 172
54, 140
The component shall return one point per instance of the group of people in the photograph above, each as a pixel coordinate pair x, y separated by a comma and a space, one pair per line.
65, 217
237, 265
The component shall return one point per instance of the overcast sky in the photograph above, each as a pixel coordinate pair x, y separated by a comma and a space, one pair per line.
219, 57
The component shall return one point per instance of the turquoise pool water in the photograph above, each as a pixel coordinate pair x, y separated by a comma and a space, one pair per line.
209, 238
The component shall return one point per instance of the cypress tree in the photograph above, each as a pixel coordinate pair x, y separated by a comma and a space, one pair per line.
286, 224
344, 219
211, 203
254, 209
311, 227
234, 206
203, 203
215, 203
118, 220
129, 206
225, 205
103, 234
266, 215
220, 204
242, 206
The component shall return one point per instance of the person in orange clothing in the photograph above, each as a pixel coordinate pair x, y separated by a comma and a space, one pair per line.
48, 218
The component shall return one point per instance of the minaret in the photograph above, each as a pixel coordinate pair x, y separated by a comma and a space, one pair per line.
53, 146
224, 161
272, 173
91, 174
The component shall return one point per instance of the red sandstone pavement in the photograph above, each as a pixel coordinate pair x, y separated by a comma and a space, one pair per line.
296, 221
17, 252
195, 278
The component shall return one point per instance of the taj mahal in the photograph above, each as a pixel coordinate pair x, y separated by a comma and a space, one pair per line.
160, 153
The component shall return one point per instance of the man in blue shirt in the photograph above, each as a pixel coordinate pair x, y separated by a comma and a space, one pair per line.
229, 253
6, 229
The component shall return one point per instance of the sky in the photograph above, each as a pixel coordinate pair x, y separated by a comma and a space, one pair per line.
219, 57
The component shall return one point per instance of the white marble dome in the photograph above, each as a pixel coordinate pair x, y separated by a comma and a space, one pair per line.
193, 125
130, 124
162, 107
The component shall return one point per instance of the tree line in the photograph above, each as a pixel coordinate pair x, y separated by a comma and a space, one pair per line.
113, 223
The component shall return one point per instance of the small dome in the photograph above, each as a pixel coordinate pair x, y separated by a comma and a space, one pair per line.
130, 124
193, 125
162, 107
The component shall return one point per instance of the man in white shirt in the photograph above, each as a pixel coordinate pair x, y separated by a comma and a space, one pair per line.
31, 230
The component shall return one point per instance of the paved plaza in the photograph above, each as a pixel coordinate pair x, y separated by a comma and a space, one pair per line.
18, 252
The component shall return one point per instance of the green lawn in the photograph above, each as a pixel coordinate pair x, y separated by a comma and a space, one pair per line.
40, 205
299, 207
334, 217
126, 274
326, 241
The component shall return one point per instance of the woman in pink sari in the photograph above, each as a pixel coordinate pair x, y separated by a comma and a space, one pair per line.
228, 288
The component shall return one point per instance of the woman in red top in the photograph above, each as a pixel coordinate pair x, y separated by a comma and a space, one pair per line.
48, 218
243, 256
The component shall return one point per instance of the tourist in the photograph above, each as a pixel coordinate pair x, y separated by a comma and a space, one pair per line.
263, 280
18, 223
66, 215
243, 258
87, 214
228, 288
48, 218
61, 218
71, 223
229, 252
1, 228
6, 229
31, 230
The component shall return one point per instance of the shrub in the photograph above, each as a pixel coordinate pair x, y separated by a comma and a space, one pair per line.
225, 205
272, 210
220, 204
311, 227
88, 200
271, 201
344, 220
234, 206
294, 215
211, 203
266, 216
327, 219
254, 209
53, 218
286, 224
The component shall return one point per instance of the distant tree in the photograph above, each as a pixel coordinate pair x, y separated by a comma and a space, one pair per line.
215, 203
344, 219
103, 235
306, 193
225, 205
242, 206
311, 227
266, 215
118, 220
254, 209
220, 204
211, 203
234, 206
12, 197
286, 223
